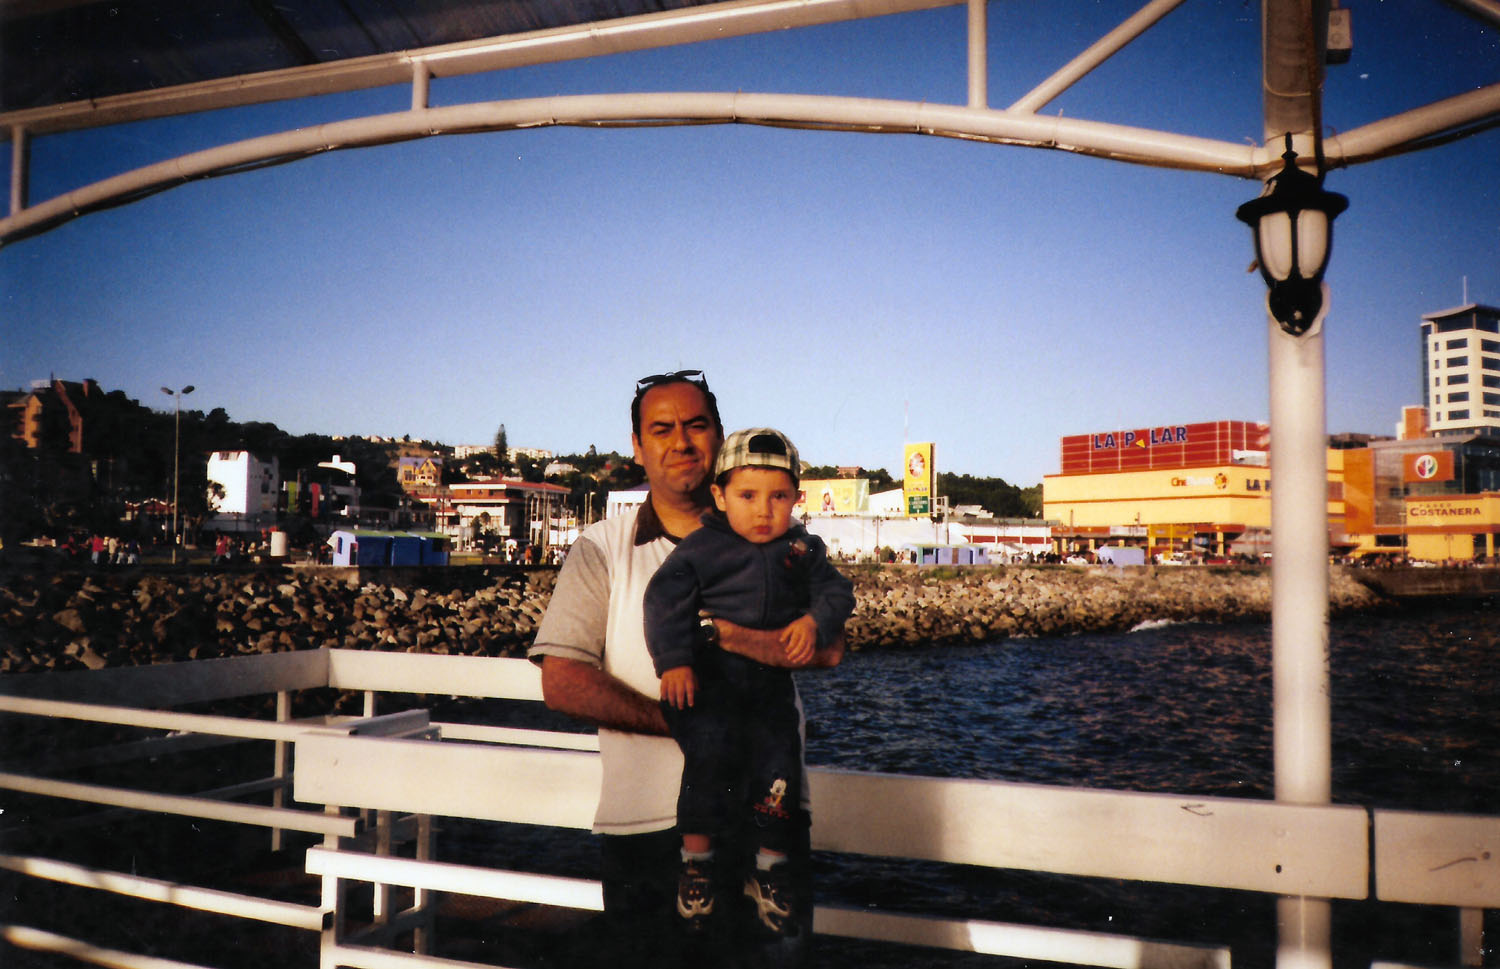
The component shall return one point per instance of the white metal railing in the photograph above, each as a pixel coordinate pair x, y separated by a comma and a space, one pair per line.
394, 773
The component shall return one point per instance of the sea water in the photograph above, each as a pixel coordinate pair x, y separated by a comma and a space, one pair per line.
1183, 709
1171, 708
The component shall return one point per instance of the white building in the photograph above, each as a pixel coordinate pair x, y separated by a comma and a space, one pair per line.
619, 501
1461, 370
250, 487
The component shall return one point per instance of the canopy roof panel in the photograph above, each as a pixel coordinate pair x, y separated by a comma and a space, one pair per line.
56, 51
74, 64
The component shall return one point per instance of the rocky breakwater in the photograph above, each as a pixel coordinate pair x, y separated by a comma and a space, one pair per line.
89, 620
904, 607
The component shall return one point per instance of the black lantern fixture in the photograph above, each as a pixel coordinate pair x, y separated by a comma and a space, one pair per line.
1293, 225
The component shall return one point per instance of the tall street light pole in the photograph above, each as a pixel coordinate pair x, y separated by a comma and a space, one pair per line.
176, 451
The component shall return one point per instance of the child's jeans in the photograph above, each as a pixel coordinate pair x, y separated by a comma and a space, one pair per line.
742, 753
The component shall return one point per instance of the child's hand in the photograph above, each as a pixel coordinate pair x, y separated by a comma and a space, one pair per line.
800, 639
679, 686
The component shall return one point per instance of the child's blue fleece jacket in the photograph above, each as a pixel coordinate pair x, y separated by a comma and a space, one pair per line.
761, 586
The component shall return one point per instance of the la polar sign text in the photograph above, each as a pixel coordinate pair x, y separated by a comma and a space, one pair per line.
1148, 438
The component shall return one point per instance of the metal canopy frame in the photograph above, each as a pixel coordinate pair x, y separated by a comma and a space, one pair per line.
1291, 70
1292, 73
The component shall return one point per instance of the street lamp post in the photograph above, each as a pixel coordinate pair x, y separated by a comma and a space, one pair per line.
1293, 225
176, 451
1292, 222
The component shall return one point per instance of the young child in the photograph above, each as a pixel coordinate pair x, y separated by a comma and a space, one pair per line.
737, 720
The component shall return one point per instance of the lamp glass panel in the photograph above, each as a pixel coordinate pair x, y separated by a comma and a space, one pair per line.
1312, 242
1274, 233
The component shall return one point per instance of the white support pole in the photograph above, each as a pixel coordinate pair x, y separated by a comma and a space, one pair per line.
1303, 933
1098, 52
1299, 612
421, 83
1291, 82
1471, 936
979, 69
1299, 566
19, 155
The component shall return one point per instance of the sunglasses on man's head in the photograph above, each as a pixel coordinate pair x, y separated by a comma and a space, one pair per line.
689, 376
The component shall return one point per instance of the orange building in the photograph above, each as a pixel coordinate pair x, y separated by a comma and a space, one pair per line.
1428, 498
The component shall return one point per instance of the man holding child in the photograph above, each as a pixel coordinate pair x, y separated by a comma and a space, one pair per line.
596, 666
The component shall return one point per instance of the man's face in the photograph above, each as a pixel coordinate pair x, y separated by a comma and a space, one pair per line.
678, 439
758, 503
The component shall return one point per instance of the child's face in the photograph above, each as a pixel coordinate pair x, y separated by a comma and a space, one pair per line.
758, 503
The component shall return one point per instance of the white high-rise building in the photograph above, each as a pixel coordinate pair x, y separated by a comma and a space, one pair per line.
1461, 370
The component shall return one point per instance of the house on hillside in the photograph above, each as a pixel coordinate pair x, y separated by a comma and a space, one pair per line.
51, 412
478, 513
419, 472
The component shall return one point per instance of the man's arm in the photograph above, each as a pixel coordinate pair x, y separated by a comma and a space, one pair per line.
765, 647
570, 650
588, 693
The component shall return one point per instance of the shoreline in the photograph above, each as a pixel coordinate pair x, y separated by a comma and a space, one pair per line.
89, 619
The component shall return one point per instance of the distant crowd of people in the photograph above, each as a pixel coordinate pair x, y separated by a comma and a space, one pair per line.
101, 550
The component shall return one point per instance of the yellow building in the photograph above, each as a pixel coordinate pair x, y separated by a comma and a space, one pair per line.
1205, 489
1194, 488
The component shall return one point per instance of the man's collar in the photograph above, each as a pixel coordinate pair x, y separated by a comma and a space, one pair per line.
648, 526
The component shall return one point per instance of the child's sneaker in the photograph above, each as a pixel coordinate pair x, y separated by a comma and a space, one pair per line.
773, 898
695, 896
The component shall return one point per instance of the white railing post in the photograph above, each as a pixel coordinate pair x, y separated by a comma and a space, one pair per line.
424, 900
282, 761
384, 843
335, 899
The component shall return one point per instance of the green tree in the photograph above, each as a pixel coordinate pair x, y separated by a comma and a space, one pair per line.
529, 468
502, 448
880, 479
995, 495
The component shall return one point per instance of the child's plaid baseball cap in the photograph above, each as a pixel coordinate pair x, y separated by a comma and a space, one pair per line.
758, 447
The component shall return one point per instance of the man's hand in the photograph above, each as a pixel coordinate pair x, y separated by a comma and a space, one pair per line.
765, 647
679, 686
798, 639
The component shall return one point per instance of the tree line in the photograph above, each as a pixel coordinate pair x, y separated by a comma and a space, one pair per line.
995, 495
127, 453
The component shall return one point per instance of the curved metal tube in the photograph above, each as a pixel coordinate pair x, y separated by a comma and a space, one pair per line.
1138, 145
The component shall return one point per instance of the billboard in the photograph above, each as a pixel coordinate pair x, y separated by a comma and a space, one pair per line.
1427, 466
834, 496
917, 476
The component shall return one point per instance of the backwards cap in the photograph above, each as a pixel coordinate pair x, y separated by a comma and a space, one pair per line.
758, 447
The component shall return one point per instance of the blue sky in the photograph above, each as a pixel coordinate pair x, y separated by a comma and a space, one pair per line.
853, 290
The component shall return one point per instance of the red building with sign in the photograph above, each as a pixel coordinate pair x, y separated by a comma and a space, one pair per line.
1164, 447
